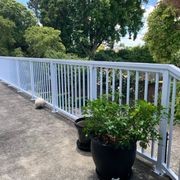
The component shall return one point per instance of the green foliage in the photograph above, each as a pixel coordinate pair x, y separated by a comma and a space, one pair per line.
177, 109
122, 124
163, 36
20, 16
86, 24
54, 54
107, 55
44, 42
135, 54
18, 52
176, 58
6, 36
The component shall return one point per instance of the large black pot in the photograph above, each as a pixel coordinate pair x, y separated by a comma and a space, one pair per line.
83, 142
112, 162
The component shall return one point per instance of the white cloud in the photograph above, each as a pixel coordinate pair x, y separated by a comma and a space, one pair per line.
139, 40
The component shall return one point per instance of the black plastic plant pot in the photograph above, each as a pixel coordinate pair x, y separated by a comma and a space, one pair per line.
112, 162
83, 142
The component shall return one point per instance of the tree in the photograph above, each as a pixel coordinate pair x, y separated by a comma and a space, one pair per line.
6, 36
134, 54
163, 36
44, 42
137, 54
86, 24
20, 16
34, 5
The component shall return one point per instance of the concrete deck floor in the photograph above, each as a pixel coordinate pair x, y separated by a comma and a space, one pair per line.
40, 145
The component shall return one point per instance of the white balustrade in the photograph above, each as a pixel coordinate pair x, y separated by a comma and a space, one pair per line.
66, 85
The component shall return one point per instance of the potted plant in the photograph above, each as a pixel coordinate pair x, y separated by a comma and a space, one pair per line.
83, 142
115, 130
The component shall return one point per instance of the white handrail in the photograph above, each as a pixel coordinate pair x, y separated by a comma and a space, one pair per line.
173, 70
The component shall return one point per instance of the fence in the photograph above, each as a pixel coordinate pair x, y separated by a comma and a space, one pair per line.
66, 85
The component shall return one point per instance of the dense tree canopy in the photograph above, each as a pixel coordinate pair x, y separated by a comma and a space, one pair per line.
6, 36
86, 24
134, 54
163, 36
20, 16
44, 42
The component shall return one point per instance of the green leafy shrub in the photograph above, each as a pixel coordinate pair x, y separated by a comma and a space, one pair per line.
135, 54
121, 125
18, 52
107, 55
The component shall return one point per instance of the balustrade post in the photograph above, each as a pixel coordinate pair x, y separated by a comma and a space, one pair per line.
54, 86
93, 83
163, 123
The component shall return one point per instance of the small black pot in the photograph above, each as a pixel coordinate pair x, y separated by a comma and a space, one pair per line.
112, 162
83, 142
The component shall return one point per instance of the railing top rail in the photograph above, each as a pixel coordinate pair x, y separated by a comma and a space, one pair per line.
174, 71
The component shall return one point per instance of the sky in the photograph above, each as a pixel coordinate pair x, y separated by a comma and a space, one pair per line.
126, 41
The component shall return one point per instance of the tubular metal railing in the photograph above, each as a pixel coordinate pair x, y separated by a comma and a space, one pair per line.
66, 85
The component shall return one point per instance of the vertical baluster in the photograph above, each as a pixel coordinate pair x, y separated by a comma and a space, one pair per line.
68, 76
18, 74
107, 81
37, 79
37, 69
65, 86
72, 91
83, 86
137, 85
59, 89
41, 82
34, 72
120, 86
171, 122
128, 87
93, 82
53, 68
40, 79
62, 87
79, 87
75, 89
155, 103
101, 82
146, 87
32, 80
88, 82
21, 74
50, 90
47, 86
113, 84
145, 95
44, 82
